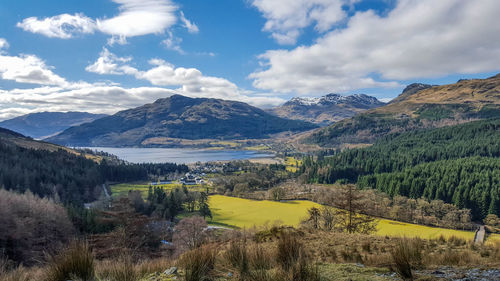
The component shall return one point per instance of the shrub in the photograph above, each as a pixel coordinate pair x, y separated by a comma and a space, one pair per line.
76, 261
289, 250
122, 269
198, 263
406, 256
237, 256
260, 258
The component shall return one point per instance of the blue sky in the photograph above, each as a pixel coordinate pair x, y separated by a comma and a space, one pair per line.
107, 55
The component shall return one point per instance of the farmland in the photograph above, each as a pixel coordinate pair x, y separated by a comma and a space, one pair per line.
244, 213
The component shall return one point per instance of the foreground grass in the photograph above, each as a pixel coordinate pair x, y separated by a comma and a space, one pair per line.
245, 213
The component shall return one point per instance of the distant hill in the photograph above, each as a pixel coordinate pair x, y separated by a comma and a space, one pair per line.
179, 117
45, 124
419, 106
326, 109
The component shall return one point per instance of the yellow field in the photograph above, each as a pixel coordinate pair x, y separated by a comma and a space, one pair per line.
493, 238
257, 147
245, 213
396, 228
292, 164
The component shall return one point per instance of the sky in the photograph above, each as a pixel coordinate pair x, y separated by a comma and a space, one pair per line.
102, 56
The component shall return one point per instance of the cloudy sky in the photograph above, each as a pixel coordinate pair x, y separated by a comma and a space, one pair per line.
102, 56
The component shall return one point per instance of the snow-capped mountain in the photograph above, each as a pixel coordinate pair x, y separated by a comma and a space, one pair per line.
326, 109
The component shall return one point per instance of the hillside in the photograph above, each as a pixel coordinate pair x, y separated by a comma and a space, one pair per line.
44, 124
419, 106
50, 170
179, 117
457, 164
326, 109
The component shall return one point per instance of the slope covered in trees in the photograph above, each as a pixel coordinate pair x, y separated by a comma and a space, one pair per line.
61, 174
458, 164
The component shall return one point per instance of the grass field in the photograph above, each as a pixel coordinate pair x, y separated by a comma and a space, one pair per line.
123, 188
244, 213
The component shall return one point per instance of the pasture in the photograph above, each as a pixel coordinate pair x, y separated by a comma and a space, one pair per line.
122, 189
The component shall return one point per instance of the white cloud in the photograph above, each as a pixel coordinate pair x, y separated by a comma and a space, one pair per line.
173, 43
3, 44
62, 26
135, 18
58, 94
28, 69
285, 18
191, 27
140, 17
189, 81
97, 99
109, 63
417, 39
90, 98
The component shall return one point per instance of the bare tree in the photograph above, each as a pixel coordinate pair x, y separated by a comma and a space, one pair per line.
314, 216
349, 214
190, 233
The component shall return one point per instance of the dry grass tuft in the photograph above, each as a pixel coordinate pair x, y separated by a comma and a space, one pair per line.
406, 256
199, 263
74, 262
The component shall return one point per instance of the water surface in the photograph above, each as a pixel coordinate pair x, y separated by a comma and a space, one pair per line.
179, 155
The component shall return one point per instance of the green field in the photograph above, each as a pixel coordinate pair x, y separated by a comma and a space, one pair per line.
123, 188
244, 213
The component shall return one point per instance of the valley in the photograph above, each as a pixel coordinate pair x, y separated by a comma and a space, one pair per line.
415, 179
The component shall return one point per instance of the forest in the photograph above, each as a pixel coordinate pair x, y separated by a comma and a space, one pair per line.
457, 164
71, 178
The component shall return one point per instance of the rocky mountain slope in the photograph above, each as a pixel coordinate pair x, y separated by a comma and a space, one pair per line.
326, 109
45, 124
179, 117
419, 106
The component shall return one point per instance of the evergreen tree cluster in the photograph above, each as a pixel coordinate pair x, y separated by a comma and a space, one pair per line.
68, 177
457, 164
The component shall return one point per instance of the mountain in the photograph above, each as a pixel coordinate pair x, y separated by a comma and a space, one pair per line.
419, 106
326, 109
179, 117
44, 124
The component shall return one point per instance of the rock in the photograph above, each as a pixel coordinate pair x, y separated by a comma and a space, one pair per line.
171, 271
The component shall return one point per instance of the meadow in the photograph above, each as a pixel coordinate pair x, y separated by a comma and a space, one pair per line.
245, 213
122, 189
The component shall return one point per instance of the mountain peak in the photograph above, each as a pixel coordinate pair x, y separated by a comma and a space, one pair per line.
179, 117
326, 109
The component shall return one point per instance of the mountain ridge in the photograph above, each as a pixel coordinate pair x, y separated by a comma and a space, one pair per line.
419, 107
44, 124
179, 117
326, 109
